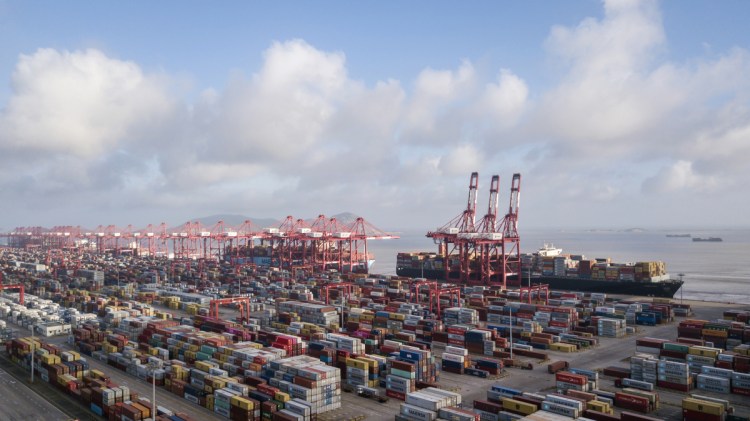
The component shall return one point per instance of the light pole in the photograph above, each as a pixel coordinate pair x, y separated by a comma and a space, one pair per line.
33, 351
153, 389
510, 327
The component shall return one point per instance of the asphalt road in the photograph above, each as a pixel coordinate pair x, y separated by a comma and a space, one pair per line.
19, 403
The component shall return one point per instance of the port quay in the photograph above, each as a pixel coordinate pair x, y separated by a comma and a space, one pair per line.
287, 323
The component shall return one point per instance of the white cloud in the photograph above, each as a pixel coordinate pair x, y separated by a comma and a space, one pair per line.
282, 111
461, 160
80, 103
611, 90
678, 176
436, 96
621, 109
505, 100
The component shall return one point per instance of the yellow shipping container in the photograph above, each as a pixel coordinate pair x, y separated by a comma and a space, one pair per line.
704, 351
203, 366
282, 397
599, 407
715, 332
369, 361
50, 359
518, 406
563, 347
351, 362
243, 403
706, 407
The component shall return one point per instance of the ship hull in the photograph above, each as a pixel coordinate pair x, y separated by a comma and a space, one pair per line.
665, 289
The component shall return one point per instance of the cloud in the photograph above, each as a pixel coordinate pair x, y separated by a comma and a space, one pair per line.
432, 115
461, 160
504, 101
80, 103
641, 122
679, 176
623, 121
281, 111
610, 90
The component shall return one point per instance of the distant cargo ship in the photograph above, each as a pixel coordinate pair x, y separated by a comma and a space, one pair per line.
709, 239
562, 273
678, 235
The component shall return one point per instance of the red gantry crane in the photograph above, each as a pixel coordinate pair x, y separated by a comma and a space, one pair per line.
19, 287
295, 245
487, 253
242, 302
451, 237
510, 253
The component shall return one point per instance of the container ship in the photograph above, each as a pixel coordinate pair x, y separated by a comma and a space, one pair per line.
709, 239
561, 272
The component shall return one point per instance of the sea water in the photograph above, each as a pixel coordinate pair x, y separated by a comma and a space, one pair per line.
712, 271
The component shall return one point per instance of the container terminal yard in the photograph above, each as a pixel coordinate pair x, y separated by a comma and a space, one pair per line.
285, 323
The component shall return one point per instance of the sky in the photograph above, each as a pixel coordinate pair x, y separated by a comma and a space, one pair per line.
616, 113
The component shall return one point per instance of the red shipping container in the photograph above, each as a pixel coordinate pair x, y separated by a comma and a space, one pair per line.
567, 377
395, 395
741, 391
724, 364
488, 406
674, 386
633, 402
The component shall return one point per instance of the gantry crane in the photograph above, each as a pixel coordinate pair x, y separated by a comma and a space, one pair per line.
451, 237
487, 253
242, 302
434, 291
346, 288
510, 253
19, 287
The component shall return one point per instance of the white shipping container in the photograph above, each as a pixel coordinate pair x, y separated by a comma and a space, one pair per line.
565, 402
454, 357
456, 350
426, 401
713, 381
417, 412
560, 409
717, 372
